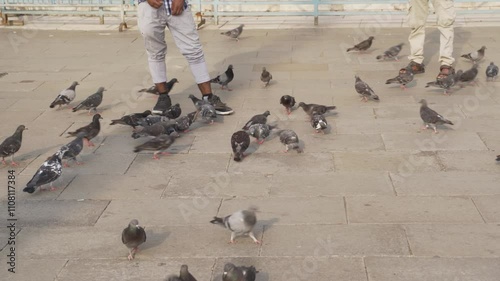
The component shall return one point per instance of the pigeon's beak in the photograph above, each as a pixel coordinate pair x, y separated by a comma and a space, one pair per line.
25, 128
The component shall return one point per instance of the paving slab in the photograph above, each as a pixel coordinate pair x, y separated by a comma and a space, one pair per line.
334, 240
468, 161
148, 270
456, 183
411, 209
428, 141
293, 268
429, 269
331, 184
290, 210
488, 206
397, 162
34, 269
491, 140
464, 240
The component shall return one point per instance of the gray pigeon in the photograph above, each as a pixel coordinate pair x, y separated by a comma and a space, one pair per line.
224, 78
11, 145
446, 83
66, 96
240, 141
238, 273
49, 172
74, 148
364, 90
476, 55
173, 112
234, 33
318, 122
240, 223
207, 113
391, 53
288, 102
498, 158
92, 102
430, 117
131, 119
154, 130
312, 108
133, 236
260, 131
151, 120
404, 77
469, 75
265, 77
257, 119
197, 102
491, 72
91, 130
153, 90
185, 275
363, 45
290, 139
158, 144
184, 122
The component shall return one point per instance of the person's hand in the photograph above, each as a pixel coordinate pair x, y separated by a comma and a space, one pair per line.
177, 7
155, 3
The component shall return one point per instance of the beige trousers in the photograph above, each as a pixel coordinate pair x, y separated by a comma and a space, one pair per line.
417, 17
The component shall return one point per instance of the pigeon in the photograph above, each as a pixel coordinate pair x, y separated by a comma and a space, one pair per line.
404, 77
11, 145
391, 53
158, 144
207, 113
153, 90
50, 171
185, 275
446, 83
183, 123
154, 130
238, 273
240, 141
151, 120
73, 148
265, 77
240, 223
66, 96
257, 119
491, 72
363, 45
260, 132
234, 33
131, 119
290, 139
468, 75
133, 236
173, 112
312, 108
91, 130
318, 122
431, 118
288, 102
476, 55
197, 102
224, 78
92, 102
498, 157
364, 90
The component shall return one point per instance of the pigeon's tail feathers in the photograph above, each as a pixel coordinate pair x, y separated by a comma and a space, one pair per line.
375, 97
446, 121
392, 80
380, 57
137, 149
331, 107
467, 56
136, 135
350, 49
498, 158
76, 108
215, 80
29, 189
217, 220
52, 105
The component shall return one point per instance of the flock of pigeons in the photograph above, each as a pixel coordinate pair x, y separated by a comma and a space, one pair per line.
165, 128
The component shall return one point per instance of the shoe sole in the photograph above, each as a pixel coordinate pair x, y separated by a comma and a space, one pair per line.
224, 112
157, 112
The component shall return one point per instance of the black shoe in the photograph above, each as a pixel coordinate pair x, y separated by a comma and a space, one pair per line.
220, 107
417, 68
162, 104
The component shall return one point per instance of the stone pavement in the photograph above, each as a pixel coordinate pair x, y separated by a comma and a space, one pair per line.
375, 199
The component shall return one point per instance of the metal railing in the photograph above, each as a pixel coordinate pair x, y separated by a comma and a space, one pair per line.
220, 8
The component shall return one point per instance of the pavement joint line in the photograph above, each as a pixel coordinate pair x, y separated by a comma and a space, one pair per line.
407, 240
212, 275
66, 186
165, 189
474, 202
107, 205
442, 166
131, 162
62, 268
366, 269
484, 142
392, 183
345, 210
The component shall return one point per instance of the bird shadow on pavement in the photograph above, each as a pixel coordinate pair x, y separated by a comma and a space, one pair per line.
155, 238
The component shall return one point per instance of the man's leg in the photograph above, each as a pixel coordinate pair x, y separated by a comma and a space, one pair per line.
183, 29
445, 12
152, 23
417, 17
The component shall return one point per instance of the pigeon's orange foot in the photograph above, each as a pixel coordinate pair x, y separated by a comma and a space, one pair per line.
14, 164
